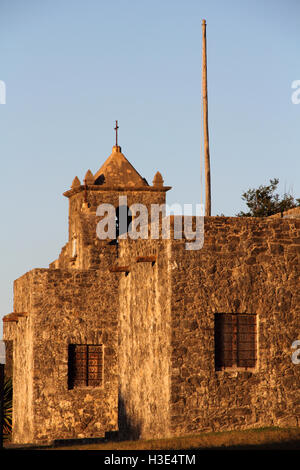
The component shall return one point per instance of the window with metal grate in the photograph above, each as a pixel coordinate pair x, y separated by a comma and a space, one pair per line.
85, 365
235, 340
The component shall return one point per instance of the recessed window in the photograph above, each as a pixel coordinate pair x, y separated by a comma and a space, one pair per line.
85, 365
235, 341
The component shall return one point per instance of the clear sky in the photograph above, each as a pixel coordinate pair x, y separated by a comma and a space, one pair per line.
71, 67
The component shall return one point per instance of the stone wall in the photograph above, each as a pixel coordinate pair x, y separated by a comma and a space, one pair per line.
156, 322
290, 213
144, 341
75, 301
168, 381
8, 371
65, 307
245, 266
20, 335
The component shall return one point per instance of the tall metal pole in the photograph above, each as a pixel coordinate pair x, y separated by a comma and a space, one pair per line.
205, 124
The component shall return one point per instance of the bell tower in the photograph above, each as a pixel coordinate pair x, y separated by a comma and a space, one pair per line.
114, 179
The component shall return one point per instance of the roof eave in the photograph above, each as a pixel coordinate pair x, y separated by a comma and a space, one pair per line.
78, 189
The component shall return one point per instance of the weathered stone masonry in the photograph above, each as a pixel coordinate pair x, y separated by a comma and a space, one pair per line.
65, 307
246, 266
151, 304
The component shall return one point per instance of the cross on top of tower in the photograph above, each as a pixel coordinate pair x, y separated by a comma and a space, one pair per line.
116, 129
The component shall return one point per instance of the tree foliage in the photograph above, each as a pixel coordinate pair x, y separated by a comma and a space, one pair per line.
264, 201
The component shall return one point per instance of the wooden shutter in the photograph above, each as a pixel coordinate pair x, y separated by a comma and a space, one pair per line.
95, 358
80, 365
235, 340
77, 365
223, 340
85, 365
246, 340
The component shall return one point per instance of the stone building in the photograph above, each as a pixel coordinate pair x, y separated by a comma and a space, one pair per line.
145, 337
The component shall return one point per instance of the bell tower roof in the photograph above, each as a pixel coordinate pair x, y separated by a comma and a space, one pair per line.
117, 171
116, 174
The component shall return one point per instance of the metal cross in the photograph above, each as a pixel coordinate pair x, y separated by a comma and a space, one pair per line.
116, 129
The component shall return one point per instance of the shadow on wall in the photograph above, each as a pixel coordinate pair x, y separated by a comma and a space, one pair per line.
127, 429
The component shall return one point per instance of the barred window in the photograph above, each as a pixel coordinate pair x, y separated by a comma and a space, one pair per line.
85, 365
235, 340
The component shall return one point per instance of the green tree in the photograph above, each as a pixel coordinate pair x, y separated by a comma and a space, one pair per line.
263, 201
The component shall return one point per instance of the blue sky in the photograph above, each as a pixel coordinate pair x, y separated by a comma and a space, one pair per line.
72, 67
